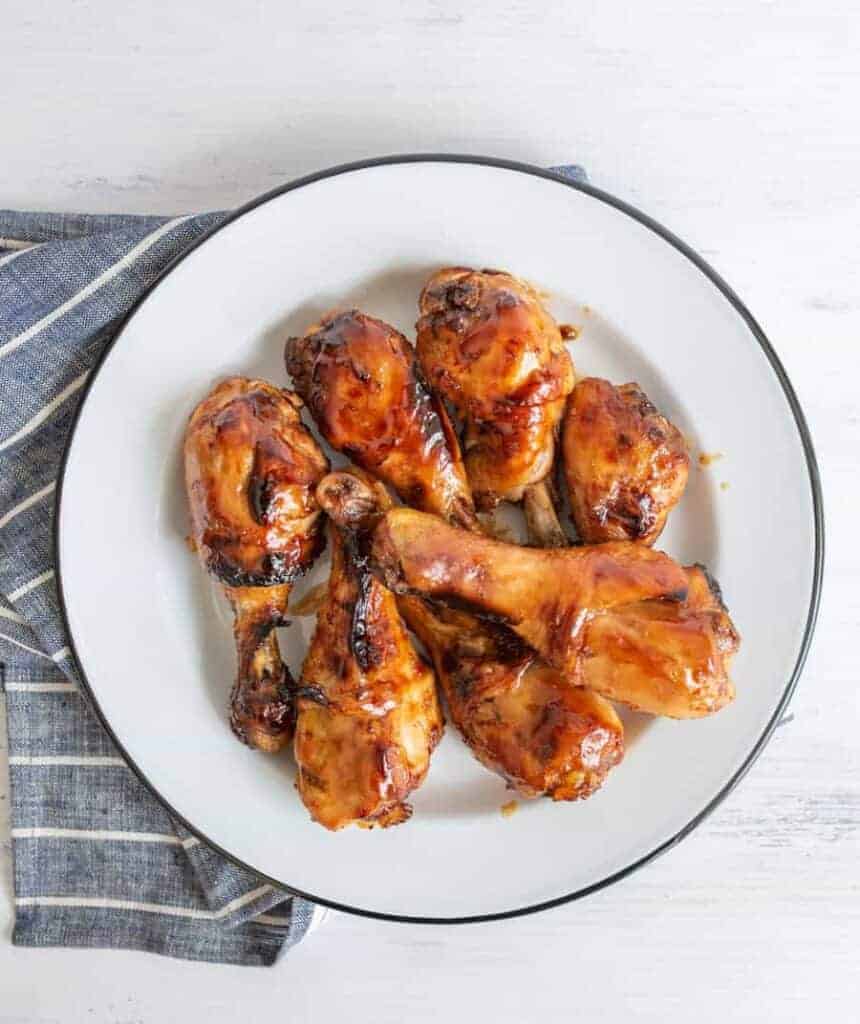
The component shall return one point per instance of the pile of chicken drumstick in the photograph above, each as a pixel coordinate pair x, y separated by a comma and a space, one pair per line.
528, 645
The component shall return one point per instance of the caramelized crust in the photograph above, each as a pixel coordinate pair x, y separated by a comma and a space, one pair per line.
626, 465
368, 716
570, 620
251, 470
362, 384
488, 346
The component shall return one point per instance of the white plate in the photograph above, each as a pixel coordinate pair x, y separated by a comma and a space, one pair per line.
156, 649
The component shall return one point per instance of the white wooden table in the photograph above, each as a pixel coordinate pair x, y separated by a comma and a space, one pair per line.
736, 125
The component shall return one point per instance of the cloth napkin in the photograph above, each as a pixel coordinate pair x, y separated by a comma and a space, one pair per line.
97, 860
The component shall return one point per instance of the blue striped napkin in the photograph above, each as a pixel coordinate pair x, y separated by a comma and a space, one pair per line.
97, 860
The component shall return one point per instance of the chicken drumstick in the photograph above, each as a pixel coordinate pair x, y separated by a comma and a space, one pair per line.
626, 466
251, 470
490, 348
368, 716
679, 640
361, 381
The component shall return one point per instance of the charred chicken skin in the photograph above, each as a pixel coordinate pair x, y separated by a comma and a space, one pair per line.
251, 472
488, 346
685, 642
517, 714
368, 716
363, 386
625, 465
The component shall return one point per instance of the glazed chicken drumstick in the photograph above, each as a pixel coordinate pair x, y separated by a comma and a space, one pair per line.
368, 716
490, 348
620, 618
361, 381
625, 465
251, 471
519, 716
